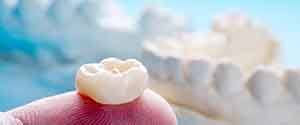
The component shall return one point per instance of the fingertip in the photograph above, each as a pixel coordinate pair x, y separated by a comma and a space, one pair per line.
74, 109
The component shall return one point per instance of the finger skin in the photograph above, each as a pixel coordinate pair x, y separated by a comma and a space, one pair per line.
74, 109
6, 119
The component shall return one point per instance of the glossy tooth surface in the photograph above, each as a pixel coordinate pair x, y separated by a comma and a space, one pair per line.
293, 82
112, 81
265, 86
199, 71
228, 79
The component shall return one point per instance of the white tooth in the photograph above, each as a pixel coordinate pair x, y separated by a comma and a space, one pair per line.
293, 82
112, 81
198, 71
228, 79
174, 68
265, 86
6, 119
154, 62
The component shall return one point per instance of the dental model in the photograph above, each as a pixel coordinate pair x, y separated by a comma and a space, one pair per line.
230, 74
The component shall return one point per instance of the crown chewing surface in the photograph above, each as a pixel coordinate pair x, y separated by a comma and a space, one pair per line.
112, 81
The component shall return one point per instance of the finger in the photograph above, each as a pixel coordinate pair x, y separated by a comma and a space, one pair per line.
74, 109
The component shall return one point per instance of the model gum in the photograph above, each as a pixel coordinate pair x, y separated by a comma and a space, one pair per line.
232, 73
112, 81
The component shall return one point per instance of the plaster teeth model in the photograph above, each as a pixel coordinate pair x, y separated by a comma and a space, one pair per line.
217, 73
112, 81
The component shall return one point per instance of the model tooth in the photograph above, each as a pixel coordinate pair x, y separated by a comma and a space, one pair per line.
174, 68
154, 62
265, 86
293, 82
228, 79
112, 81
198, 71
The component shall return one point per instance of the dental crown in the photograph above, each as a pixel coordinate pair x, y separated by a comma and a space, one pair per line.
112, 81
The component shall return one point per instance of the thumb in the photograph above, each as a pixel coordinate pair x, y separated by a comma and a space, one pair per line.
73, 109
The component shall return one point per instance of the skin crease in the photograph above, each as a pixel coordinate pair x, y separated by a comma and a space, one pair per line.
74, 109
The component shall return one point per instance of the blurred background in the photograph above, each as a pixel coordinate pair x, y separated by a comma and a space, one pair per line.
43, 42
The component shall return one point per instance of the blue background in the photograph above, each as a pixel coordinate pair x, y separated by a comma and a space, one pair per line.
22, 83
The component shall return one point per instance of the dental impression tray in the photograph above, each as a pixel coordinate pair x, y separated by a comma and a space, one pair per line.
231, 74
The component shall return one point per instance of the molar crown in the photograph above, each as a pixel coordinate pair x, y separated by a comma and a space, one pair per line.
112, 81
